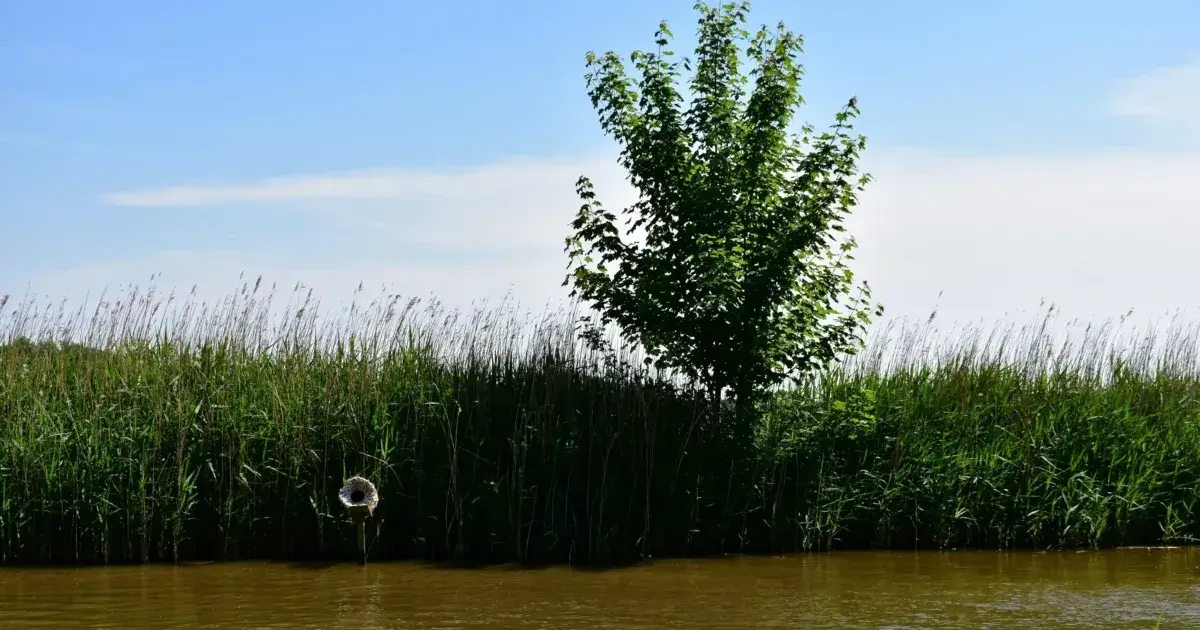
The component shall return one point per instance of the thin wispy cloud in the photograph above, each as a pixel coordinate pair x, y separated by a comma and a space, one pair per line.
381, 184
504, 178
1167, 97
993, 235
517, 203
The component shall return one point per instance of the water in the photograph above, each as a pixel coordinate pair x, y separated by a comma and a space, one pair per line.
1131, 588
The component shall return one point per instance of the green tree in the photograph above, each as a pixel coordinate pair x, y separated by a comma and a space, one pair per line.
732, 268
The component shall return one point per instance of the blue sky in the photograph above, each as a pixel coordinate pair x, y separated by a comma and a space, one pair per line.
984, 119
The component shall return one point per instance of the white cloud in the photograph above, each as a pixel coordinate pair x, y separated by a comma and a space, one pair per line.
1168, 97
1096, 234
515, 203
388, 184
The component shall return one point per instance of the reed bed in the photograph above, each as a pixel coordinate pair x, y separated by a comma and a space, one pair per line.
150, 428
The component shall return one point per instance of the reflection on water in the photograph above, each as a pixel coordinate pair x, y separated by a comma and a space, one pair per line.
1131, 588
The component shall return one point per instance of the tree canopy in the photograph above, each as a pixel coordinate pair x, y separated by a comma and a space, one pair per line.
732, 267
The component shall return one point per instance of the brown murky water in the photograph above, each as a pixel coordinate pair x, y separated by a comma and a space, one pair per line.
1131, 588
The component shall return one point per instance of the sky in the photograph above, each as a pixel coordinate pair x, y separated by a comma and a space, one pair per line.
1022, 152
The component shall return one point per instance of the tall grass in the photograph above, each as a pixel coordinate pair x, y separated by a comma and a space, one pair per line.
149, 428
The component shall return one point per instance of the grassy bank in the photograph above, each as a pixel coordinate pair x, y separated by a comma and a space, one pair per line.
182, 431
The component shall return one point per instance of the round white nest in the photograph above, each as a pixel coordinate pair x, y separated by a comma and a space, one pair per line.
358, 492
